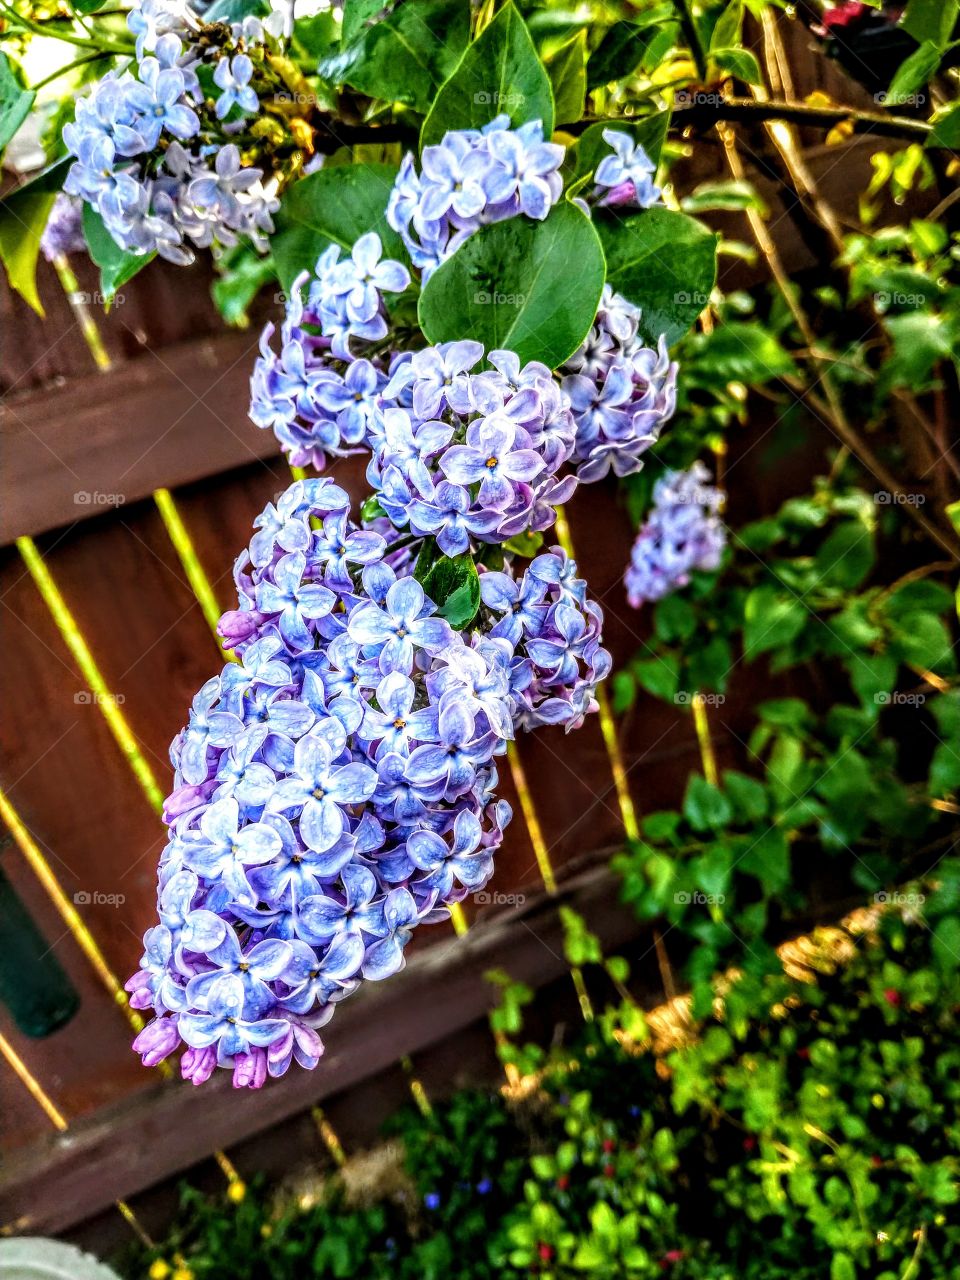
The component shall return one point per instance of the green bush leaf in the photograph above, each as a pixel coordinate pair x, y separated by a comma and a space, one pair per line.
738, 62
406, 56
664, 262
705, 806
332, 206
771, 620
932, 20
914, 73
945, 130
511, 285
117, 265
500, 73
846, 556
15, 102
568, 78
23, 216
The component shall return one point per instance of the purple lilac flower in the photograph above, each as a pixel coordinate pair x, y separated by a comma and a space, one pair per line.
354, 720
620, 392
625, 176
63, 233
232, 78
471, 178
682, 533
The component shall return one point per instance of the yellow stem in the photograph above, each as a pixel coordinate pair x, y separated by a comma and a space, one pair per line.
33, 1085
534, 830
187, 553
329, 1136
458, 919
105, 700
608, 725
707, 757
417, 1089
88, 326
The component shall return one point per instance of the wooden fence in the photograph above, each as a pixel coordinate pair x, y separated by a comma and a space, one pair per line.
131, 477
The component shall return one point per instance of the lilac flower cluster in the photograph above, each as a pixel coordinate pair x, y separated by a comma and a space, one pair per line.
621, 392
334, 789
473, 177
157, 166
682, 533
317, 397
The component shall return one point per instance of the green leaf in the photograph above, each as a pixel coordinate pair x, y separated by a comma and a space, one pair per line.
946, 942
23, 216
767, 858
932, 20
500, 73
913, 74
771, 620
568, 78
945, 131
649, 133
453, 585
117, 265
626, 44
407, 56
243, 272
747, 353
511, 286
616, 55
705, 806
738, 62
846, 556
333, 206
357, 14
524, 544
664, 262
235, 10
15, 102
749, 797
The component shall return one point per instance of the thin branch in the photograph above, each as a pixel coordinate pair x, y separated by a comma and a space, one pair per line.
703, 109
